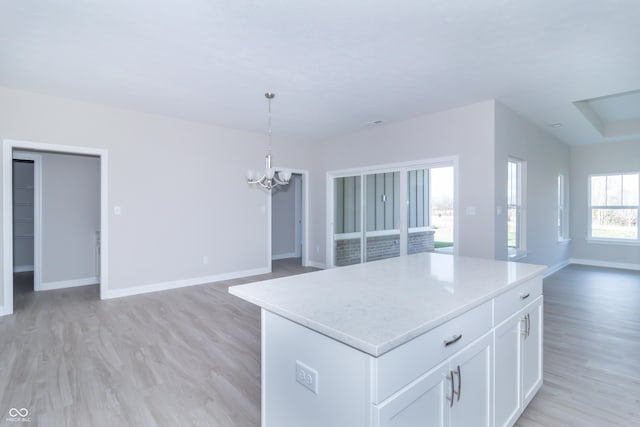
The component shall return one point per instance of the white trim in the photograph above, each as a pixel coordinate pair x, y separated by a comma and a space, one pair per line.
401, 167
297, 214
393, 167
329, 219
7, 227
48, 286
175, 284
284, 256
379, 233
22, 268
421, 230
316, 264
306, 259
609, 241
269, 230
517, 255
556, 268
605, 264
347, 236
8, 147
4, 310
37, 213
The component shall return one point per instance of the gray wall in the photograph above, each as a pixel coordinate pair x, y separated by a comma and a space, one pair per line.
181, 186
171, 179
70, 217
593, 159
466, 132
545, 157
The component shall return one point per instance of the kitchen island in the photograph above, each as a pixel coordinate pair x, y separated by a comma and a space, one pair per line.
427, 339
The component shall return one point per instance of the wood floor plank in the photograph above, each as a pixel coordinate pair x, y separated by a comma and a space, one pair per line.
183, 357
191, 356
591, 350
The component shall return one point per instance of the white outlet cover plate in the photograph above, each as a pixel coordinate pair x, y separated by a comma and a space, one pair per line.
307, 377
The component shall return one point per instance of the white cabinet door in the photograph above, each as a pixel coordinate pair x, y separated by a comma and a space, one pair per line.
420, 404
472, 375
532, 352
507, 368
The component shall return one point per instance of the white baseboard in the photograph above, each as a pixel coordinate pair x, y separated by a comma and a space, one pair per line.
3, 310
175, 284
316, 264
556, 268
48, 286
22, 268
284, 256
605, 264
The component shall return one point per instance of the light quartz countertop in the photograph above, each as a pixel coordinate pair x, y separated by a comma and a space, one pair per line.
377, 306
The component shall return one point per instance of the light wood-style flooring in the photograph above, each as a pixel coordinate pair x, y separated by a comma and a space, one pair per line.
184, 357
191, 356
591, 350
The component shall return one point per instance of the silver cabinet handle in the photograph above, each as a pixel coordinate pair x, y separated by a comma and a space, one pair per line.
527, 325
453, 340
459, 383
524, 296
524, 327
453, 389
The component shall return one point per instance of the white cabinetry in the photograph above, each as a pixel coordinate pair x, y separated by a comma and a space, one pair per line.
472, 375
455, 393
532, 352
518, 354
507, 368
423, 402
423, 340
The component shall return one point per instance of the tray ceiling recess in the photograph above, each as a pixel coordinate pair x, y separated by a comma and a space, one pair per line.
614, 116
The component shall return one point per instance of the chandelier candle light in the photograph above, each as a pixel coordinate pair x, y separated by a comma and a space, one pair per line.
271, 177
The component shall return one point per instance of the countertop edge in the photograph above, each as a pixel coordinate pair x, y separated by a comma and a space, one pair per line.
379, 350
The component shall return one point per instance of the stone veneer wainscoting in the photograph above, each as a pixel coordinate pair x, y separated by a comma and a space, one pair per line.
347, 251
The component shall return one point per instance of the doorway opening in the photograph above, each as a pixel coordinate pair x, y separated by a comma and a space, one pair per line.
65, 218
26, 170
289, 223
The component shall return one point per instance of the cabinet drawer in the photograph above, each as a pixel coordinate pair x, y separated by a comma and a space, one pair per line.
402, 365
515, 299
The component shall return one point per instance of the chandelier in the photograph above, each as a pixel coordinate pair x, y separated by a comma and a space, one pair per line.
272, 177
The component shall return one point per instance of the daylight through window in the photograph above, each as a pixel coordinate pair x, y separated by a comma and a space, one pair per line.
614, 206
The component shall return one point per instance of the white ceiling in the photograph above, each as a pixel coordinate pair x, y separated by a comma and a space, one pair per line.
335, 65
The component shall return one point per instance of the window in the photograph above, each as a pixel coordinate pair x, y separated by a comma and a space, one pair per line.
515, 209
563, 214
614, 206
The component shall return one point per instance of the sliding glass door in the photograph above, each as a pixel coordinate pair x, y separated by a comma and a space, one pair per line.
420, 235
347, 227
391, 213
441, 212
382, 216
